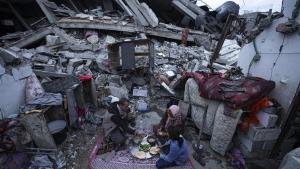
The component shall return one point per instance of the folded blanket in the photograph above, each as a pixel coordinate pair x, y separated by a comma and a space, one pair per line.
234, 93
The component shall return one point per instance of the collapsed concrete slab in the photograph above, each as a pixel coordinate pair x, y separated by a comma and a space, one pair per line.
162, 32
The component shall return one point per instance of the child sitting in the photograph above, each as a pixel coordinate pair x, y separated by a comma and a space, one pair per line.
178, 150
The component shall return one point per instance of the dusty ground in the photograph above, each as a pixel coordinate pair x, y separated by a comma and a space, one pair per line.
78, 145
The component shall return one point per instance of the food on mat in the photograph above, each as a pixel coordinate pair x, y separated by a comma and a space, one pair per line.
144, 147
140, 154
154, 150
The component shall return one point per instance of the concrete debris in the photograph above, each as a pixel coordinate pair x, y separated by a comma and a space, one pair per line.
119, 92
22, 72
79, 57
52, 40
109, 40
93, 39
8, 55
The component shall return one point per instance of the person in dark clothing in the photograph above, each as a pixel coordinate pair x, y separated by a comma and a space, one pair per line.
119, 111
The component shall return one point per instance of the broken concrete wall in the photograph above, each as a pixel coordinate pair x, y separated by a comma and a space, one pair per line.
12, 95
279, 60
12, 83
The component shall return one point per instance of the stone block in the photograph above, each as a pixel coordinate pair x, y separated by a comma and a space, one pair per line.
52, 40
258, 133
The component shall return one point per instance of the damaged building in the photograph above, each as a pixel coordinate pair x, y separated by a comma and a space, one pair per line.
106, 84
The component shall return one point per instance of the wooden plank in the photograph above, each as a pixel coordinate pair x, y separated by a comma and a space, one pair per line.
138, 15
178, 5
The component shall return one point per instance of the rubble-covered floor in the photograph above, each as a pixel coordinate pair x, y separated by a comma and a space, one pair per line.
78, 145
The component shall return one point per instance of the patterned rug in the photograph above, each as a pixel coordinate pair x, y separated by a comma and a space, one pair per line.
124, 160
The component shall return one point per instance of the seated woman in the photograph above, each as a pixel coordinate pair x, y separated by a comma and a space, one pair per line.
171, 118
178, 150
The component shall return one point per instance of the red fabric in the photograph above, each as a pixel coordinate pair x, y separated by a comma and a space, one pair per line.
250, 119
245, 92
261, 104
85, 78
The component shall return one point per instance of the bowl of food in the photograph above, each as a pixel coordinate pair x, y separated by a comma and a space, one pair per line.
144, 147
151, 140
154, 150
137, 139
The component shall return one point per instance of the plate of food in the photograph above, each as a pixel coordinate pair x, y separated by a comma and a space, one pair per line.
154, 150
139, 154
144, 147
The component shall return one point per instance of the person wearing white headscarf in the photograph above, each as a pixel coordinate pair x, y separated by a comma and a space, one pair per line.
171, 118
174, 117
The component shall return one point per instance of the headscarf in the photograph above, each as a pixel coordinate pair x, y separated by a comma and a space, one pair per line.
176, 119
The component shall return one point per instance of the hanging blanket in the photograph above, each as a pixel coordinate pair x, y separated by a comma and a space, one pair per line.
234, 93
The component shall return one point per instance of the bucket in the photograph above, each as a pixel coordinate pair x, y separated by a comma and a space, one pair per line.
58, 129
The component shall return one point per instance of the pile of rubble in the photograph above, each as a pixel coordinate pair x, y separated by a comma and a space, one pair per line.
93, 57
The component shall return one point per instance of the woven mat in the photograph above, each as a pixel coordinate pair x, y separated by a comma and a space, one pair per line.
124, 160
